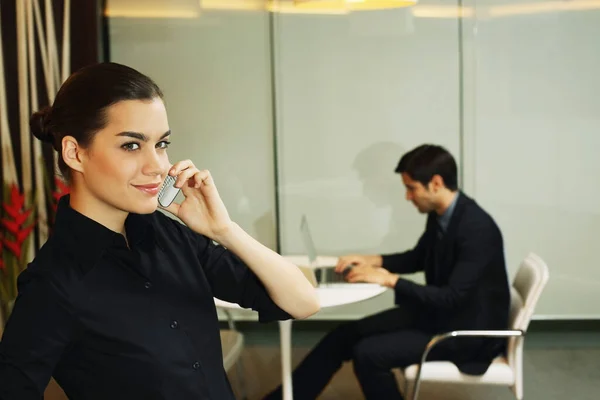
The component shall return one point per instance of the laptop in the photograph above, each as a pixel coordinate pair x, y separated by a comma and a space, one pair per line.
322, 274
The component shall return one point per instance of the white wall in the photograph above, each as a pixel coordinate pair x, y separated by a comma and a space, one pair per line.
215, 74
353, 92
534, 134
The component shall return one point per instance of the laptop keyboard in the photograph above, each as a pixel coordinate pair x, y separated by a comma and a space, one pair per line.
328, 275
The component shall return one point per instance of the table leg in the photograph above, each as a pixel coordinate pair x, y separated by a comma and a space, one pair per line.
285, 341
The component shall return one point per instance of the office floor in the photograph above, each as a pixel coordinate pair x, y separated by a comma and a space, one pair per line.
558, 365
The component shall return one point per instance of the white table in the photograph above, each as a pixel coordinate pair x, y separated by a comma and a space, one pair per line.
330, 295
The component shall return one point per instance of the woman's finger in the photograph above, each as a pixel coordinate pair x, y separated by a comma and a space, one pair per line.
180, 166
185, 176
202, 177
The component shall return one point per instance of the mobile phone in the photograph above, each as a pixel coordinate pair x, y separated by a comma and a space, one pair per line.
168, 191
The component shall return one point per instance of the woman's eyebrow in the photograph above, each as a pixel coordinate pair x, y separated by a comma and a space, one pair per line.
141, 136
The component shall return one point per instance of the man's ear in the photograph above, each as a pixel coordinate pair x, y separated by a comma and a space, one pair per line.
72, 153
436, 183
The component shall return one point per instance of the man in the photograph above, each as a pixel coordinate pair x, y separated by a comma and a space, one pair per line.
462, 255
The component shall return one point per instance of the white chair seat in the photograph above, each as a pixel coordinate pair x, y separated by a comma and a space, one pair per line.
499, 373
526, 289
232, 343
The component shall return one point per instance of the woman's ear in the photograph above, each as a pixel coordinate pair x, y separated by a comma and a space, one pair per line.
71, 153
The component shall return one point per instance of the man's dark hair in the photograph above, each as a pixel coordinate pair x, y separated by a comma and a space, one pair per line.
427, 160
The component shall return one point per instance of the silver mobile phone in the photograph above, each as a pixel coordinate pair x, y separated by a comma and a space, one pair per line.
168, 191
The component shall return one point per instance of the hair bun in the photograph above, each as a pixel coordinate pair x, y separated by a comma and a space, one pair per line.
39, 125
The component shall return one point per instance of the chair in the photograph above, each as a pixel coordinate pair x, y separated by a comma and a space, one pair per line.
232, 343
526, 289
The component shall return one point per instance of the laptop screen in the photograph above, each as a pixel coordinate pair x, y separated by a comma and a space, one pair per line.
308, 241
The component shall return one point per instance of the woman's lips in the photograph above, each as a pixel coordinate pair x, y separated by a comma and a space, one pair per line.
152, 189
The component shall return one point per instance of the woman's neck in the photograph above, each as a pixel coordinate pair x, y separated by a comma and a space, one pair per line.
85, 203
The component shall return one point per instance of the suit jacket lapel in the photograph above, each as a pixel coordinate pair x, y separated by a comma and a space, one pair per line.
450, 236
430, 263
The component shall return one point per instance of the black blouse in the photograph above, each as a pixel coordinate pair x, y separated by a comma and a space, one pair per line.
112, 322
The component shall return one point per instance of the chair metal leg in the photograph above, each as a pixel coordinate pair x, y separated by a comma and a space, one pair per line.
238, 364
417, 384
241, 380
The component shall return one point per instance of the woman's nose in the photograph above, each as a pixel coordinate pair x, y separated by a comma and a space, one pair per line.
155, 165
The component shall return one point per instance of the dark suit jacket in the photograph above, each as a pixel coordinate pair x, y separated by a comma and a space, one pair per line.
466, 282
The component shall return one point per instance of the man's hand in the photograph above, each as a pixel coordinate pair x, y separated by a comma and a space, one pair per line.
371, 274
356, 260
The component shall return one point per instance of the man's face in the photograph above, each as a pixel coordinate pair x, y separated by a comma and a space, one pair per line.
422, 197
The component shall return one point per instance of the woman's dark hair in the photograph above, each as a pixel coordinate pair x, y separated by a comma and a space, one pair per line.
80, 106
427, 160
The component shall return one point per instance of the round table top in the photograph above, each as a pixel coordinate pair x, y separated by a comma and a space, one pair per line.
333, 294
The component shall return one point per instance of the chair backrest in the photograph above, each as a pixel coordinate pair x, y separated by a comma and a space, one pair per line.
526, 290
527, 287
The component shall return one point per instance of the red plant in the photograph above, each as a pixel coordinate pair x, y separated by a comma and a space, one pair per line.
1, 260
61, 189
15, 221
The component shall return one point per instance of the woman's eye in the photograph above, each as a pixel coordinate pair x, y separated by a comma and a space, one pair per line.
131, 146
163, 144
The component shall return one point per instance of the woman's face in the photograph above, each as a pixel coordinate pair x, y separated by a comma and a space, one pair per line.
127, 160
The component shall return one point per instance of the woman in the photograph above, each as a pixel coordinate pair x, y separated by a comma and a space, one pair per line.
119, 301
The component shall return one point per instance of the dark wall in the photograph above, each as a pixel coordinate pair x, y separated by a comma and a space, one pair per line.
85, 41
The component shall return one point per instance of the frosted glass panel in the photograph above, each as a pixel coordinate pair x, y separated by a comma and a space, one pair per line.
353, 93
214, 68
536, 140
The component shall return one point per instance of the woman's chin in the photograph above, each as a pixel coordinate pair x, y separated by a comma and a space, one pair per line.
146, 207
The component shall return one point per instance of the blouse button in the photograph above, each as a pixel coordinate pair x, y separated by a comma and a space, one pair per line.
196, 365
148, 285
174, 325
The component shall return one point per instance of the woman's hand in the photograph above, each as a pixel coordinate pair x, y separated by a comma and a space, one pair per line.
202, 210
